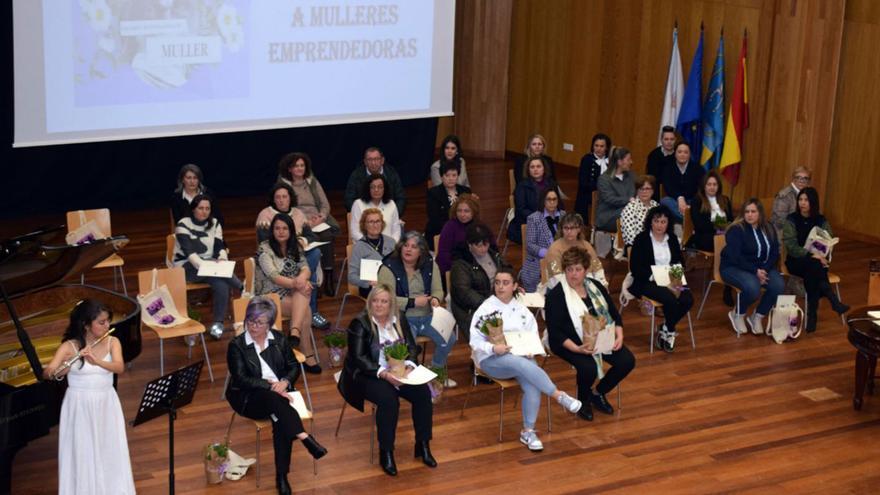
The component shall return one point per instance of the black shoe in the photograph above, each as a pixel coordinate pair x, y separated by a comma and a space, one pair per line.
316, 449
282, 485
386, 460
839, 307
586, 412
328, 283
294, 340
601, 403
314, 369
423, 451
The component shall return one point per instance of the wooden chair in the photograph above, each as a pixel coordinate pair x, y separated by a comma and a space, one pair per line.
550, 355
504, 385
511, 180
102, 220
522, 261
436, 244
345, 261
175, 280
687, 231
372, 419
655, 305
594, 198
720, 242
833, 278
250, 273
171, 221
169, 262
508, 217
543, 263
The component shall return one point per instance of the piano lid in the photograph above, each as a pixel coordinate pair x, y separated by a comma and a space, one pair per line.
42, 258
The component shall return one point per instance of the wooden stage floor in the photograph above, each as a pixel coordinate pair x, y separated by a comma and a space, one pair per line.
735, 415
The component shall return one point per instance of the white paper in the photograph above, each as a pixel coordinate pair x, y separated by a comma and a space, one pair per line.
532, 299
297, 402
874, 314
370, 270
443, 322
315, 244
418, 376
524, 343
321, 227
661, 275
222, 269
605, 341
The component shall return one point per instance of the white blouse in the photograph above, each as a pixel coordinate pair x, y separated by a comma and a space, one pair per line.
662, 254
516, 317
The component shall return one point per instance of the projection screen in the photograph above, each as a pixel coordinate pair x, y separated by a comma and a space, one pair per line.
98, 70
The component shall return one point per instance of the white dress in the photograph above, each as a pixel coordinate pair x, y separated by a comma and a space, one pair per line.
92, 446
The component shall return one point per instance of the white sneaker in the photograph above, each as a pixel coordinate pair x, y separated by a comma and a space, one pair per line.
738, 322
756, 323
568, 402
450, 383
530, 439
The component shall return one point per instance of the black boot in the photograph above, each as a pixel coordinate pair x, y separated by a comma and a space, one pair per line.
836, 305
386, 460
586, 412
316, 449
328, 282
423, 451
601, 403
281, 484
812, 315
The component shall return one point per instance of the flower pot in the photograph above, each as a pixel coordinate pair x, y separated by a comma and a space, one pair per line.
337, 355
214, 471
436, 388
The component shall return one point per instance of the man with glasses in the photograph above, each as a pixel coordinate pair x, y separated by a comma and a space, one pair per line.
374, 163
785, 201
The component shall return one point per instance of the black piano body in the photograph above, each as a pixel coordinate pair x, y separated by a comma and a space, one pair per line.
34, 311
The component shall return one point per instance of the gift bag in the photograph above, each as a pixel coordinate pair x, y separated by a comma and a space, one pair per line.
786, 320
158, 308
820, 242
496, 334
87, 232
592, 327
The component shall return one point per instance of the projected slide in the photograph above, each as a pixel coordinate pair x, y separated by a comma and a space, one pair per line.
142, 64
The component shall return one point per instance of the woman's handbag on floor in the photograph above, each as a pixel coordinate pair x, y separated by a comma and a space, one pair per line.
786, 320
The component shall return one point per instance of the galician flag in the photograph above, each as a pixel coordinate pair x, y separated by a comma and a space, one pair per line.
674, 88
737, 121
713, 113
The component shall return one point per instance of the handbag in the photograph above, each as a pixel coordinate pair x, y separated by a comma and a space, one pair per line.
87, 232
786, 320
820, 242
158, 308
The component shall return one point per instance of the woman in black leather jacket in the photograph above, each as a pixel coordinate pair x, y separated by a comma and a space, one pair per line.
366, 376
260, 380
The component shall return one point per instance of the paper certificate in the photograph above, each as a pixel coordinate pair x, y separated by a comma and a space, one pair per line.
321, 227
297, 402
315, 244
661, 275
419, 376
222, 269
443, 322
370, 270
524, 343
532, 299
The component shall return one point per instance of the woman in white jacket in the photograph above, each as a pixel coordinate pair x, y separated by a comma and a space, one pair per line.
497, 361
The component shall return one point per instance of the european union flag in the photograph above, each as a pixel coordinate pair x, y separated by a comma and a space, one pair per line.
689, 123
713, 113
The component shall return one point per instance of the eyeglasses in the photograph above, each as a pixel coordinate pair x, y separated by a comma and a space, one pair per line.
802, 178
571, 227
646, 188
258, 323
374, 221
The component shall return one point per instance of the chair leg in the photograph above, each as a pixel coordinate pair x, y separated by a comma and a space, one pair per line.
468, 396
705, 295
226, 385
161, 356
315, 347
549, 415
339, 423
314, 461
373, 434
691, 328
207, 358
653, 314
258, 457
302, 370
341, 276
501, 416
341, 307
618, 396
122, 279
842, 317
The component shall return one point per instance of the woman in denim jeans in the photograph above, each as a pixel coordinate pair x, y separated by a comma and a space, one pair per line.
750, 262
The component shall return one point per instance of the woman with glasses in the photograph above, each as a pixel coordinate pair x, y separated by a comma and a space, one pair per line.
262, 371
785, 203
541, 228
632, 218
375, 194
569, 235
373, 245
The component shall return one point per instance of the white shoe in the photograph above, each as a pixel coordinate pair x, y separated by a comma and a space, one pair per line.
570, 404
530, 439
450, 383
738, 322
756, 323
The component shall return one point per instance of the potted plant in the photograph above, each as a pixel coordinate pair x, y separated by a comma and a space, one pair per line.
215, 457
720, 224
676, 279
436, 385
396, 353
336, 341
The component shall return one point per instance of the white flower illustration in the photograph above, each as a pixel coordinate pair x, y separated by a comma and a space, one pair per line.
227, 20
99, 15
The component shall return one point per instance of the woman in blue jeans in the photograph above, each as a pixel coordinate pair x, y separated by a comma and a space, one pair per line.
750, 262
414, 278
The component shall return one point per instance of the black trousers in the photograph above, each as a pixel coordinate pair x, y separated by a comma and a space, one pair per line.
286, 423
813, 273
622, 362
674, 308
387, 400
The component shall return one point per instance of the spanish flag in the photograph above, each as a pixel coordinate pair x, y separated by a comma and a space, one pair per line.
737, 122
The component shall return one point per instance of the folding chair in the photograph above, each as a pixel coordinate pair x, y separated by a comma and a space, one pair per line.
78, 218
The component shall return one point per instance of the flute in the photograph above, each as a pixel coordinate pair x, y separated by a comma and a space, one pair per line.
56, 373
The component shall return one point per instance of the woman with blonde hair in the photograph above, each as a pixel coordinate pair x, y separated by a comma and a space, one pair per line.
366, 375
536, 147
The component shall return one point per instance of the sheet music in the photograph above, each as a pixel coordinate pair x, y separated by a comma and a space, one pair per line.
524, 343
661, 275
222, 269
321, 227
443, 321
370, 270
531, 299
419, 376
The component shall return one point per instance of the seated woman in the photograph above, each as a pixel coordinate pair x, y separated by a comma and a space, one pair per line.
616, 187
632, 218
451, 147
810, 266
535, 148
373, 245
473, 267
440, 198
366, 375
681, 181
541, 228
190, 183
376, 195
748, 262
592, 166
526, 195
571, 234
497, 360
262, 370
656, 246
198, 238
573, 296
295, 169
283, 270
709, 210
283, 200
415, 280
465, 211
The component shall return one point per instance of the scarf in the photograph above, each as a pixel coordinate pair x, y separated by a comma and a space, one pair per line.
577, 308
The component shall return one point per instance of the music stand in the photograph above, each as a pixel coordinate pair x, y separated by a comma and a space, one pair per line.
167, 394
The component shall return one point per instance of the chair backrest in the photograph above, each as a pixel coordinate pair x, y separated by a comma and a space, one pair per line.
448, 278
594, 201
353, 290
239, 308
543, 270
720, 242
524, 250
618, 236
169, 250
687, 228
174, 278
429, 184
101, 217
436, 244
511, 180
782, 253
171, 220
250, 270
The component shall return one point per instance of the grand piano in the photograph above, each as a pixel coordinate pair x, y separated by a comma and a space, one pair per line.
34, 311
